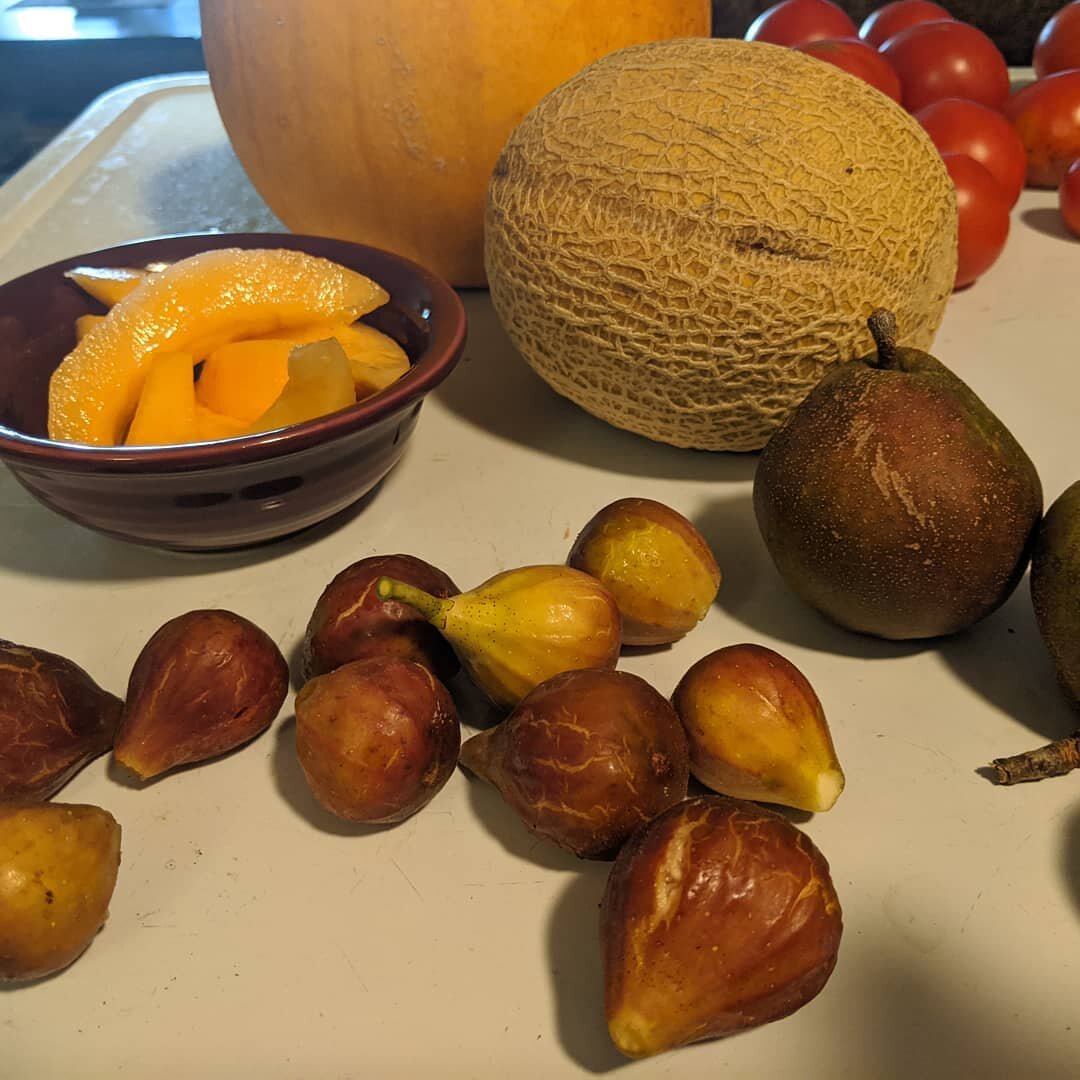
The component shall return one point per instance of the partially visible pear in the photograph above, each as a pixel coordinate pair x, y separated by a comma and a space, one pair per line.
893, 500
58, 867
1055, 586
522, 626
757, 730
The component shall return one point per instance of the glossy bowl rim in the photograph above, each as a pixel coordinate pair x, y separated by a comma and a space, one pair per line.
449, 327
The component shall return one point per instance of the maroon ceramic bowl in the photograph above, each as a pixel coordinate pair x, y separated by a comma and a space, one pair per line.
236, 492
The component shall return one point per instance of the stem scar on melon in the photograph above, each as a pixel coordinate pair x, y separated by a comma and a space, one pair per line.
194, 306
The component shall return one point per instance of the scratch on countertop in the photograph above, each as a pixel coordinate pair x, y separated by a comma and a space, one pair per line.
397, 866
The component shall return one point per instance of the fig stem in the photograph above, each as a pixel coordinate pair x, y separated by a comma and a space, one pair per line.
431, 607
1053, 759
882, 325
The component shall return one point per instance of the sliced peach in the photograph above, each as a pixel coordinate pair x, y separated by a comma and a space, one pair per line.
108, 284
166, 411
244, 378
194, 306
85, 323
320, 382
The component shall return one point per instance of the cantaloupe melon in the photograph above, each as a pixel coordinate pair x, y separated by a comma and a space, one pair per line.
683, 237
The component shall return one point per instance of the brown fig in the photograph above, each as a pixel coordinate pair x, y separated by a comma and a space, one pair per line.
54, 720
656, 564
377, 738
587, 758
757, 730
205, 683
58, 867
718, 916
351, 623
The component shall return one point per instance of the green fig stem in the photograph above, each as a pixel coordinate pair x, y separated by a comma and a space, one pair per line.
882, 324
431, 607
1054, 759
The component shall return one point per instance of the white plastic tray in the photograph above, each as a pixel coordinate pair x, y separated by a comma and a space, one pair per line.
251, 935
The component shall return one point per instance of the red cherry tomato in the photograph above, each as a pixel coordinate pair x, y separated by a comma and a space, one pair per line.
956, 126
982, 218
1046, 115
1058, 45
945, 59
888, 21
1069, 198
794, 22
858, 58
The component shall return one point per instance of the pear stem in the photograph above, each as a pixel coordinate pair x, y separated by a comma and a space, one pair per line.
882, 324
1054, 759
431, 607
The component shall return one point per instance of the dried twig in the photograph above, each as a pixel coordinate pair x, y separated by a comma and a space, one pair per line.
1054, 759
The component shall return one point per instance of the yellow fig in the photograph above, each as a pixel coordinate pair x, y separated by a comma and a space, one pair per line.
522, 626
757, 730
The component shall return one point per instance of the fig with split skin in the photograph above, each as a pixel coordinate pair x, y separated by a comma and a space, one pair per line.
522, 626
893, 500
718, 916
757, 730
351, 623
205, 683
54, 720
58, 869
586, 759
377, 738
655, 563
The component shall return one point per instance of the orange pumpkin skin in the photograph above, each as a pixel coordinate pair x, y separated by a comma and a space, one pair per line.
381, 122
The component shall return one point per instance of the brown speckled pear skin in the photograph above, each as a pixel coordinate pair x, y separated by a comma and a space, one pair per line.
718, 916
895, 502
684, 236
1055, 586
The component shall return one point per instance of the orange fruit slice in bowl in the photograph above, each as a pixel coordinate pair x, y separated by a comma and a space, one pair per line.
194, 306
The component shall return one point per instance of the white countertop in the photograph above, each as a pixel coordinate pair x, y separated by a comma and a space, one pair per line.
252, 935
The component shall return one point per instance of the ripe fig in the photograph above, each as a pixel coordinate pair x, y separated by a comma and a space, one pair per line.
522, 626
655, 563
205, 683
58, 867
587, 758
351, 623
54, 720
893, 500
718, 916
377, 738
756, 729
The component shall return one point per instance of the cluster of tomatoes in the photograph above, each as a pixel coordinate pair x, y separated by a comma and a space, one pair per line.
953, 79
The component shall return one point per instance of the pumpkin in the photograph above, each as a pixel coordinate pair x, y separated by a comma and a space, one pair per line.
380, 122
685, 235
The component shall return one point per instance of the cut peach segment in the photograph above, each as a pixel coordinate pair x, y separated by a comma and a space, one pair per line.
195, 305
166, 411
85, 323
210, 426
109, 284
376, 359
244, 378
320, 382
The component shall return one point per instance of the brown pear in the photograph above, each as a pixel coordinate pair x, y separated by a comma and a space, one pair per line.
206, 682
718, 916
54, 720
893, 500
